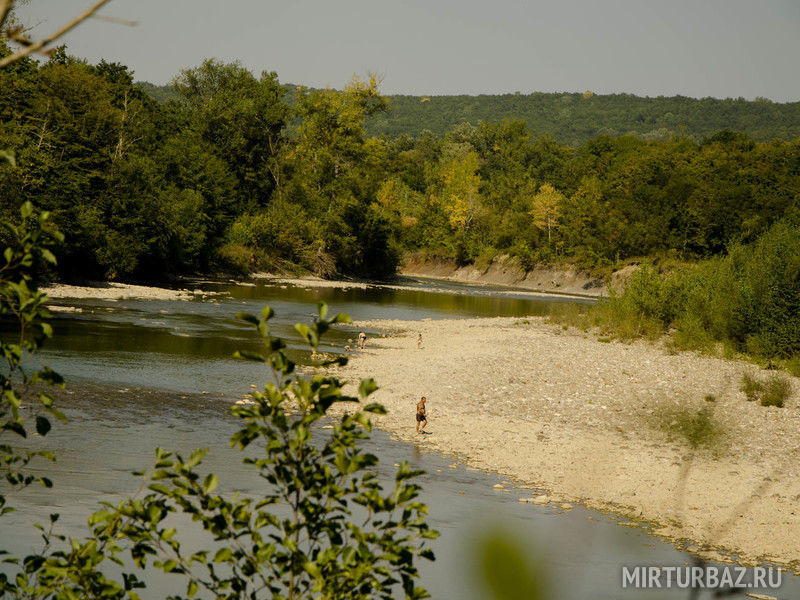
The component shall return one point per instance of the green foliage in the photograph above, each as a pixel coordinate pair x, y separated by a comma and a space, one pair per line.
281, 232
751, 387
652, 296
748, 300
792, 366
323, 527
773, 391
776, 391
573, 118
239, 172
242, 118
362, 241
505, 571
25, 401
570, 314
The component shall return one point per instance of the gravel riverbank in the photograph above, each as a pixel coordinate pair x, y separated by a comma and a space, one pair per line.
602, 424
119, 291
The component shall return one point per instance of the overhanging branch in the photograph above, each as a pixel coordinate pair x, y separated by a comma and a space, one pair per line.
5, 7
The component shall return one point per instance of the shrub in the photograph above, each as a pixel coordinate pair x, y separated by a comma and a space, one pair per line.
691, 334
281, 231
777, 390
751, 387
526, 256
238, 258
792, 366
485, 257
362, 240
774, 391
749, 301
26, 402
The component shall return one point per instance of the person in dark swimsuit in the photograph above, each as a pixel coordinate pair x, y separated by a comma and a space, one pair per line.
421, 415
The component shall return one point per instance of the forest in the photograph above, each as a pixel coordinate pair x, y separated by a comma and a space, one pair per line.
573, 118
227, 176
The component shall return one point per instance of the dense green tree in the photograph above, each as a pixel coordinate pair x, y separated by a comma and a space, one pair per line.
242, 118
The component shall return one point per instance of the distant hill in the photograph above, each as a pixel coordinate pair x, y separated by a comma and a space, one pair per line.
573, 118
160, 93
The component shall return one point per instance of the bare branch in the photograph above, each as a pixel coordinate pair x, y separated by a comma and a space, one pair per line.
37, 46
5, 10
116, 20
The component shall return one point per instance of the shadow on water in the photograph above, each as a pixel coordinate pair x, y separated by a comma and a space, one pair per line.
137, 370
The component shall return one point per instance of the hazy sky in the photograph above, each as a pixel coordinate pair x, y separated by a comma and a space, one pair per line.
721, 48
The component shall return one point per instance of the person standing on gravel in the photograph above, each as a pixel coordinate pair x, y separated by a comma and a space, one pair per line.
362, 340
422, 416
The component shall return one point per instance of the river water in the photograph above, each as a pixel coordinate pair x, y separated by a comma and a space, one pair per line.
144, 374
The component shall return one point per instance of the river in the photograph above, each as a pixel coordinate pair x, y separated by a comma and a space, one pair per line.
146, 373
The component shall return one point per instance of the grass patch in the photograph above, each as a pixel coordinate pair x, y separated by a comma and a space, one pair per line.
751, 387
776, 391
773, 391
604, 340
792, 366
569, 314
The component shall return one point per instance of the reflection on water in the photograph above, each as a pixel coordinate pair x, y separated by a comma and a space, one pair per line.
137, 370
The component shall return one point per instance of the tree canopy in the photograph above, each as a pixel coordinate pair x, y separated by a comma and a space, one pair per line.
237, 173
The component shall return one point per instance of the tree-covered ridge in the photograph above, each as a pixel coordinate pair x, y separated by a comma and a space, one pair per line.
231, 176
573, 119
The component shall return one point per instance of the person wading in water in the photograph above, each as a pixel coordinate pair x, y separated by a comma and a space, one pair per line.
421, 415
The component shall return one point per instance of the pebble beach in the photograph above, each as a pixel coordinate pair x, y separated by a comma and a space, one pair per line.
571, 419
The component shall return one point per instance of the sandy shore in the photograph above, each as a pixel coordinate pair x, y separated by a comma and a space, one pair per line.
583, 421
120, 291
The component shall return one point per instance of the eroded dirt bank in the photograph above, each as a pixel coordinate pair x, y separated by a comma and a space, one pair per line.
507, 270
